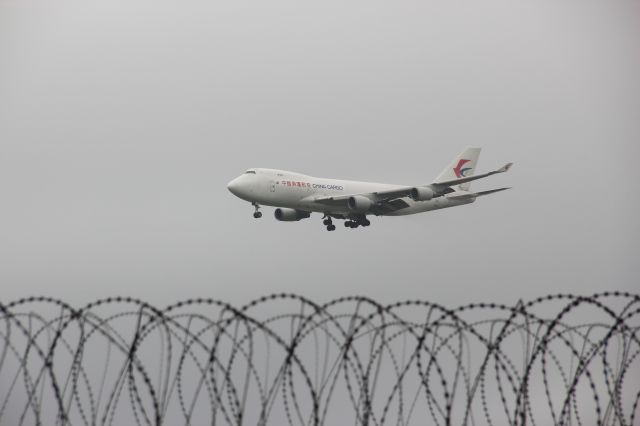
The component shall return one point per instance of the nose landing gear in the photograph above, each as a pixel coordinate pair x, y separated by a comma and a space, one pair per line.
257, 214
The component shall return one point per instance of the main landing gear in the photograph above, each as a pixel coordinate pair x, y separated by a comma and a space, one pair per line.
257, 214
358, 221
329, 223
353, 222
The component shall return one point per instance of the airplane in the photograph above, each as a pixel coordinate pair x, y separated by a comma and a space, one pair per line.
296, 195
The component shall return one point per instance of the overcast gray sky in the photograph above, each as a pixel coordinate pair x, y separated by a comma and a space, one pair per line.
121, 123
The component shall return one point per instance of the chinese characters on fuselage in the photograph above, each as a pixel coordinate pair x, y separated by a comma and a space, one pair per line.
290, 183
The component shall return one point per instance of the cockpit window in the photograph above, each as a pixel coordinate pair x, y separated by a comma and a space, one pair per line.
252, 172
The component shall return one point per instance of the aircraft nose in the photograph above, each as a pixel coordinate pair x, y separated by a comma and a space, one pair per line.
234, 186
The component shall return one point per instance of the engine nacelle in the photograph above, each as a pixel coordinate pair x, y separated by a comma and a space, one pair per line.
422, 193
290, 215
359, 203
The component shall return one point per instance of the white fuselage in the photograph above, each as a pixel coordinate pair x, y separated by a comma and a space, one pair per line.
280, 188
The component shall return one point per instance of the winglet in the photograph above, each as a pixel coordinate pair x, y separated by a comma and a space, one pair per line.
504, 168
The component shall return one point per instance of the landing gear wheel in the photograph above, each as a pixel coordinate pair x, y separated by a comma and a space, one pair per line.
347, 223
257, 214
365, 222
328, 223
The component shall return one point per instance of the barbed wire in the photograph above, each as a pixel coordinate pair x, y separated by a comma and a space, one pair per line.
283, 359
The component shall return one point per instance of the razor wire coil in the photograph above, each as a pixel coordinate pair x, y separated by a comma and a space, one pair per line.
283, 359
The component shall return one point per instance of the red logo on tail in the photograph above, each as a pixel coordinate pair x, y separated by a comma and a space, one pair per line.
459, 171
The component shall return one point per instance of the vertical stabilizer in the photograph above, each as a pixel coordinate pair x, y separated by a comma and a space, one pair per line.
463, 165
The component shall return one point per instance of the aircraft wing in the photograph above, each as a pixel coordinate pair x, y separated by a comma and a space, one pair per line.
384, 202
464, 195
491, 191
387, 199
376, 196
448, 183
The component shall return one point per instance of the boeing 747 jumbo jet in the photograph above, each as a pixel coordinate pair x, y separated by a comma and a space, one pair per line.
296, 195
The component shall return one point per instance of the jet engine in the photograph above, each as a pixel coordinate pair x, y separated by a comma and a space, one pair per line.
359, 203
290, 215
422, 193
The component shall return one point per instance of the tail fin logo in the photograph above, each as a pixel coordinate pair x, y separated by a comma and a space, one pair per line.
459, 171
